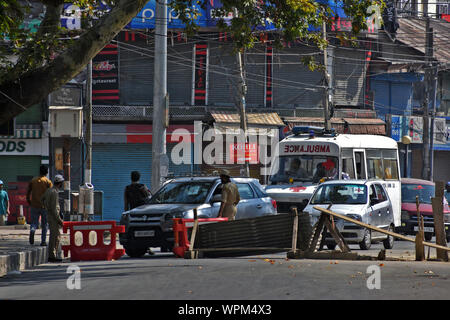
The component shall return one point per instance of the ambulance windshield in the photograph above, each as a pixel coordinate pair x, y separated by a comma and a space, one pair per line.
304, 168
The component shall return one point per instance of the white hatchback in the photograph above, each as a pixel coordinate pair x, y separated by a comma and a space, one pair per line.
363, 200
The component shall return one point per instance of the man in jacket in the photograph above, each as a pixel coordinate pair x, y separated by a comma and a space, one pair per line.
36, 189
50, 199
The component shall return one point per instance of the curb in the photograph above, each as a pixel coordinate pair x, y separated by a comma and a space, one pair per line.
19, 261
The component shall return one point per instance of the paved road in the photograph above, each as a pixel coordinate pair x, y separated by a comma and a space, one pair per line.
262, 277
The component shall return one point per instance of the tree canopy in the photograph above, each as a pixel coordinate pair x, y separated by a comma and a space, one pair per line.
37, 61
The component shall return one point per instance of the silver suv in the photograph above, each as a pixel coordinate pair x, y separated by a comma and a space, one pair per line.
366, 201
150, 225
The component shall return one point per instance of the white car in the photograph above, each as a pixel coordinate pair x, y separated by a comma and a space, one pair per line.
363, 200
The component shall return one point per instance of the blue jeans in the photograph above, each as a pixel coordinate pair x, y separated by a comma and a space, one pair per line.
35, 214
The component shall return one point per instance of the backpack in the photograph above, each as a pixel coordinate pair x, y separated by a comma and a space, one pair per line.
137, 194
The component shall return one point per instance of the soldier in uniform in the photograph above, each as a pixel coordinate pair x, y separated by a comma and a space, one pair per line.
230, 197
50, 199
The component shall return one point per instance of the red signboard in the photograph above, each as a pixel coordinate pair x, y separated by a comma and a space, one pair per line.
201, 56
237, 154
105, 76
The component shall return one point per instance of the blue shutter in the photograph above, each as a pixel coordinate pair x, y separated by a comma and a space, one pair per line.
111, 172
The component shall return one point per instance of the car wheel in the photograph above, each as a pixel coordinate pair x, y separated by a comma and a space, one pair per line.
428, 236
366, 241
135, 252
388, 243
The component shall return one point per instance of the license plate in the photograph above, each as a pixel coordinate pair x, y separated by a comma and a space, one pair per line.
426, 229
147, 233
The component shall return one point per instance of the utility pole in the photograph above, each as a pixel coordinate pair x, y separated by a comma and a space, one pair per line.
426, 169
88, 138
327, 78
159, 95
242, 89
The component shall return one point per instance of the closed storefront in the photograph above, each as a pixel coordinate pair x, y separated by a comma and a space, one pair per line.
120, 149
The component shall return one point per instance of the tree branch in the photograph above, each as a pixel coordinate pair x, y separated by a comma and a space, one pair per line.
34, 86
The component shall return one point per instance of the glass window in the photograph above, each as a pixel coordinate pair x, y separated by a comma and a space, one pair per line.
305, 168
245, 191
348, 168
182, 192
360, 165
381, 195
424, 192
340, 194
374, 164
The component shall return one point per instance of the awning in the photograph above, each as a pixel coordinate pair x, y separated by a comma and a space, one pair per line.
342, 125
257, 123
253, 119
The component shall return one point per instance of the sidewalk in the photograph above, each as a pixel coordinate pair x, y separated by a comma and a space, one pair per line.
16, 253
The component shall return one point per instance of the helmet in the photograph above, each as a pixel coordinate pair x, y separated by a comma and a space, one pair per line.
58, 178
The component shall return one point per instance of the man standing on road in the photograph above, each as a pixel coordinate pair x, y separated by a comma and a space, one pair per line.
135, 193
36, 189
50, 199
4, 205
230, 197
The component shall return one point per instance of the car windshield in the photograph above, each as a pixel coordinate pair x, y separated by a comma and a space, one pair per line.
340, 194
410, 191
304, 168
191, 192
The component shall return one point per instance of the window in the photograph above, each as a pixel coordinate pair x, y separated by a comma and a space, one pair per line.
245, 191
348, 166
382, 164
381, 195
360, 165
340, 194
390, 164
374, 164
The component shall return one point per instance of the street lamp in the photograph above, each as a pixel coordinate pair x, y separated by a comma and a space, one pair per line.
406, 140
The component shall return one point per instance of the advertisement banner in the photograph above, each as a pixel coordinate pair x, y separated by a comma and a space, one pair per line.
412, 126
105, 76
200, 73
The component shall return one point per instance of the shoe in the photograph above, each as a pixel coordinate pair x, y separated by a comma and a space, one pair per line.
54, 260
31, 237
43, 244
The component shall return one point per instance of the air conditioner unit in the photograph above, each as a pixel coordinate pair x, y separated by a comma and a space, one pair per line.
66, 121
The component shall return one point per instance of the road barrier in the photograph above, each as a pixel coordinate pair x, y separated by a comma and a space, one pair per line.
98, 240
180, 231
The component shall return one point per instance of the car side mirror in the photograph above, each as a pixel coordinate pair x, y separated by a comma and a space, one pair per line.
216, 198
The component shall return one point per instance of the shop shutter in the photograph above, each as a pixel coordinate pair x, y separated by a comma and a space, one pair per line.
254, 74
179, 73
112, 165
349, 69
19, 168
294, 85
136, 72
222, 75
